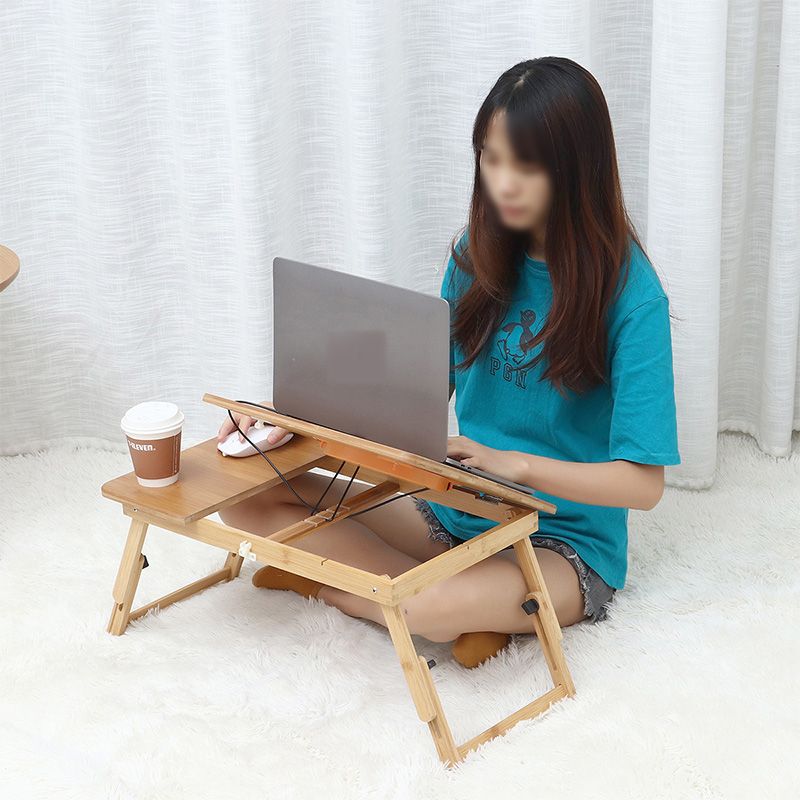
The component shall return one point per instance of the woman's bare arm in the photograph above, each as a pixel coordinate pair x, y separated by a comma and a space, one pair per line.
627, 484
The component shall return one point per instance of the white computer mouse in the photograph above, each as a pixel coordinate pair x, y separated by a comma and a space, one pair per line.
231, 446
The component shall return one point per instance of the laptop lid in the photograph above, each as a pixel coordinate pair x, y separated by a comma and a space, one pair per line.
361, 356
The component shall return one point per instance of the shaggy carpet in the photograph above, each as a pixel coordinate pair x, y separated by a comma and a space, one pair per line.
688, 690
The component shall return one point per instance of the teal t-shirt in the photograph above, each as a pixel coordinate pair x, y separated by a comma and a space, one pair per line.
631, 417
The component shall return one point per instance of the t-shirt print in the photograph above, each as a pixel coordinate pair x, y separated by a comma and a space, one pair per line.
514, 347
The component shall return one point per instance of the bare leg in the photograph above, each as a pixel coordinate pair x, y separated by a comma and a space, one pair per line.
486, 596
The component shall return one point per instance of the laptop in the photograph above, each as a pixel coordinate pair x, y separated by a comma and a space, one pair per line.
366, 358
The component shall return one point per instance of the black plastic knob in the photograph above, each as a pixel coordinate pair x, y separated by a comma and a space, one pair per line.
530, 606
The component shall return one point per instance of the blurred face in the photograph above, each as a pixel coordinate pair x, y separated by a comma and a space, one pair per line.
520, 191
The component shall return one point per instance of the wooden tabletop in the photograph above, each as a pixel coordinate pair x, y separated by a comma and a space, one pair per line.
209, 480
391, 455
9, 266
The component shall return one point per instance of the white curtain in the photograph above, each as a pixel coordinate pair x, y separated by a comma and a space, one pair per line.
156, 156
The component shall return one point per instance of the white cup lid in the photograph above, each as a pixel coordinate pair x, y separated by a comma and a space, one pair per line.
151, 417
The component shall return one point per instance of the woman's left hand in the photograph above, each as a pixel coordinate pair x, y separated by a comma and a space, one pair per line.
505, 463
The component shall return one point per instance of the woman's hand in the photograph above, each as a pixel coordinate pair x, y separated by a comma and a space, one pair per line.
245, 422
505, 463
276, 434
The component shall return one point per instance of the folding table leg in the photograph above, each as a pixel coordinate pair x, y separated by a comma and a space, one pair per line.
420, 683
130, 568
233, 563
545, 621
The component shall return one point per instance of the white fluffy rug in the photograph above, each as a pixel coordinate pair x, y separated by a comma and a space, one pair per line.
689, 690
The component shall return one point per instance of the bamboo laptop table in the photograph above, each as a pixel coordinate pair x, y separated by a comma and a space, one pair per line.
209, 482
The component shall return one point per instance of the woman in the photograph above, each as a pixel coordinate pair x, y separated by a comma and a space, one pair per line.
561, 361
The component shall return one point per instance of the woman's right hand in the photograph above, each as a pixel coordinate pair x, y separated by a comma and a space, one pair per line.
227, 427
244, 422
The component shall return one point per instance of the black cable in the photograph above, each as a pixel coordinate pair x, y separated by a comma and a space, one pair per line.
346, 490
280, 474
306, 504
330, 483
384, 502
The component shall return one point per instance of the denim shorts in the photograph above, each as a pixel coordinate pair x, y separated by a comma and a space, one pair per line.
597, 594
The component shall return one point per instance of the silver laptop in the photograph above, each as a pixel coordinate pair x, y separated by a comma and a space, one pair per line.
364, 357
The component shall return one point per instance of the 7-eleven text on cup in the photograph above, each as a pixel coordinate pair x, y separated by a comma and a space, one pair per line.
136, 446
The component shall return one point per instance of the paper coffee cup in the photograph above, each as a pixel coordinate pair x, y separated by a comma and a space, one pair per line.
153, 430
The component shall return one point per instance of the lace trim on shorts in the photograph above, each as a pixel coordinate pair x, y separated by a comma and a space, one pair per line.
597, 594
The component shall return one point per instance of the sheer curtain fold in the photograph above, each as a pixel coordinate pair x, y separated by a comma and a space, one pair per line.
155, 158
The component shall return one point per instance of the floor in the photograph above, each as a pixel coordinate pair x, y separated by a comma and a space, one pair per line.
690, 689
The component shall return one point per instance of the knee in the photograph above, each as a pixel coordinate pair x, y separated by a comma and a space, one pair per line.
240, 512
430, 613
440, 634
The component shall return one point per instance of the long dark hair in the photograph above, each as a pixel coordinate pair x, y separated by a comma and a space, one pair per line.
556, 116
